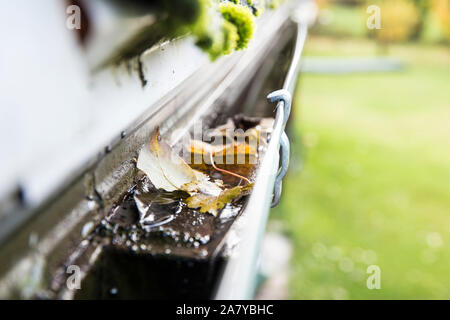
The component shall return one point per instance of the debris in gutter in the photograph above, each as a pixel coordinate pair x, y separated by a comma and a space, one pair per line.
168, 171
191, 218
218, 173
212, 204
165, 169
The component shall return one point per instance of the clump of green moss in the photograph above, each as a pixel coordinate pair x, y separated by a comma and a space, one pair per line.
256, 6
237, 28
273, 4
231, 37
220, 43
215, 35
243, 20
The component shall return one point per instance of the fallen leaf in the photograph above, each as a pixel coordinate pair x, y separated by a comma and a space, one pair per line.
234, 143
212, 204
233, 153
165, 169
203, 186
168, 171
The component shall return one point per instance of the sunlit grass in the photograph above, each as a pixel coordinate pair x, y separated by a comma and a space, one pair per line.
342, 21
375, 188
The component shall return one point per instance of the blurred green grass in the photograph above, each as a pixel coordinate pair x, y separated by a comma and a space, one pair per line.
375, 187
343, 21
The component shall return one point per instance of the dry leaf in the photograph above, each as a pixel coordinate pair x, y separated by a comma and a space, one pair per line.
212, 204
165, 169
233, 153
168, 171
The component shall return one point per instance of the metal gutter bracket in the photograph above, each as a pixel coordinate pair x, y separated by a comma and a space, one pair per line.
284, 99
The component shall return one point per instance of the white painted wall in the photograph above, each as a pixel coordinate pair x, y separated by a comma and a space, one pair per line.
54, 114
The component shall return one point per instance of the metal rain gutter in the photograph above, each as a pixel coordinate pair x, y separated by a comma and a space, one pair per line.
239, 278
56, 227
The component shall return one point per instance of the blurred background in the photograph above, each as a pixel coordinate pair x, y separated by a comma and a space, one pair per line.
369, 182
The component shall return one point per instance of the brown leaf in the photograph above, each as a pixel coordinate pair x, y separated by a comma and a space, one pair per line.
212, 204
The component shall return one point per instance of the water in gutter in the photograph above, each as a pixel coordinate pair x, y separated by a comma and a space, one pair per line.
178, 237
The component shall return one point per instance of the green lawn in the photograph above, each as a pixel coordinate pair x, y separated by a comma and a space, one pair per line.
342, 21
350, 21
375, 184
